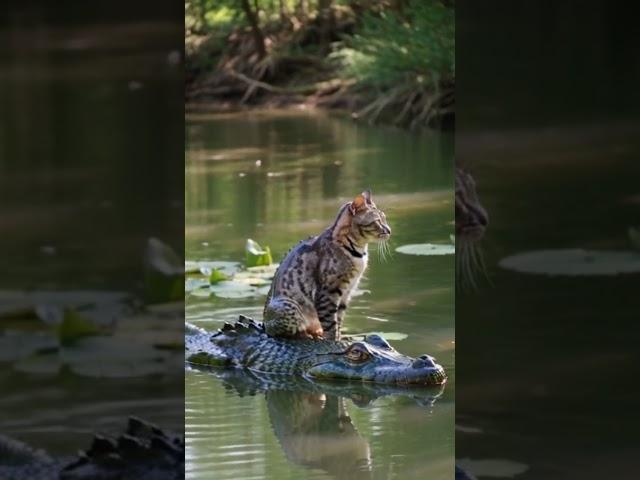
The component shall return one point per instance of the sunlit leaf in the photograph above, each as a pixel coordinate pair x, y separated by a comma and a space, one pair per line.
256, 255
217, 276
427, 249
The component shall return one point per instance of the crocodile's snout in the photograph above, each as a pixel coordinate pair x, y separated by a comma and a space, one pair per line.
424, 361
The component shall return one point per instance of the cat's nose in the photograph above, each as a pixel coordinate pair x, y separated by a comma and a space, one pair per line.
386, 229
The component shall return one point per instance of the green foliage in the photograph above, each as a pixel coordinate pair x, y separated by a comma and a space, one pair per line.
256, 256
390, 47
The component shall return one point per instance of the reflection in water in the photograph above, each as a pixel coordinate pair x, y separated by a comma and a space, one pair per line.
315, 430
311, 420
471, 222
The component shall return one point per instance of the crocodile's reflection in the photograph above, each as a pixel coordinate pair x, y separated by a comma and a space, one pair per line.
311, 420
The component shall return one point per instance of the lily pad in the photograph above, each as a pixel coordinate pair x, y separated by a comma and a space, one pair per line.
47, 363
427, 249
396, 336
573, 262
75, 326
17, 345
256, 255
201, 292
493, 467
192, 284
115, 357
234, 289
217, 276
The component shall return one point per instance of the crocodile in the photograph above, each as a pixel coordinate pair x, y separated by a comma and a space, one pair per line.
142, 452
245, 344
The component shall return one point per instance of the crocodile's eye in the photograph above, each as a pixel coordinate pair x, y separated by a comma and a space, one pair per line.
357, 355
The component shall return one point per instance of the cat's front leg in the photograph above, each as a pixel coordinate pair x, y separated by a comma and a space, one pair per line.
327, 306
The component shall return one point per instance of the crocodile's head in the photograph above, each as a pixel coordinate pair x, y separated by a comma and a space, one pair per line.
374, 360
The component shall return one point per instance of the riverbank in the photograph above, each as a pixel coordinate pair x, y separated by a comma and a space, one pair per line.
386, 65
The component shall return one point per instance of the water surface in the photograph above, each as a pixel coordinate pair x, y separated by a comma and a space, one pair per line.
277, 178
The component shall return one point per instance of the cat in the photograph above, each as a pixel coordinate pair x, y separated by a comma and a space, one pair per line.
313, 285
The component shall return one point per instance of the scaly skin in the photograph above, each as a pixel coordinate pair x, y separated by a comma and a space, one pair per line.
246, 345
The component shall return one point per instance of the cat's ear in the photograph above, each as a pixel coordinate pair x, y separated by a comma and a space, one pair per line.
357, 204
367, 196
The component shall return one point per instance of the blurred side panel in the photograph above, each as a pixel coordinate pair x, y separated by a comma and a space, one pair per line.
548, 138
91, 221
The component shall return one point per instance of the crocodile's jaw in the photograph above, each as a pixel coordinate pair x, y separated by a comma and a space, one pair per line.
398, 375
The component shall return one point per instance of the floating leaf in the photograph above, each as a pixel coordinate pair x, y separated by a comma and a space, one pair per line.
427, 249
191, 284
234, 289
217, 276
386, 335
116, 357
250, 278
267, 270
357, 292
17, 345
48, 363
228, 268
573, 262
191, 267
493, 467
163, 273
201, 292
256, 255
75, 326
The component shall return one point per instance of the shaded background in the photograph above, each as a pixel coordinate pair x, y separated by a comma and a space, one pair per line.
91, 167
547, 124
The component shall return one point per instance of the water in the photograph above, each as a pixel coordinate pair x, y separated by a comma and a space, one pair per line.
90, 129
278, 177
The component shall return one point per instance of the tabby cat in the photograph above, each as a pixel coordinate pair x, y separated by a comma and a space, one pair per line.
312, 287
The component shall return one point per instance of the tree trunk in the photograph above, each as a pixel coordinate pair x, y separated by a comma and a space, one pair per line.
258, 36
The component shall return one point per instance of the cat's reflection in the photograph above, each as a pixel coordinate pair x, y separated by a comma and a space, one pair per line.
315, 430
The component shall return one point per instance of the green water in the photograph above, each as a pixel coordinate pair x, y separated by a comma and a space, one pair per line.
279, 177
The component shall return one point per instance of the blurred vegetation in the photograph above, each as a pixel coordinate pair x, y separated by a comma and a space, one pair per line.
388, 61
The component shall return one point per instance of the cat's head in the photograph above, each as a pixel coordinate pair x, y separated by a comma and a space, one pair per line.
368, 221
